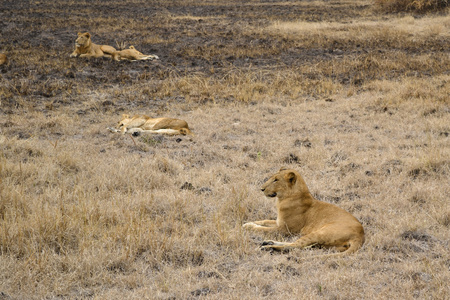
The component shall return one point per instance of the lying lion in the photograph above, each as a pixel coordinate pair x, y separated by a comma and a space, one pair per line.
3, 59
132, 54
319, 223
84, 47
145, 124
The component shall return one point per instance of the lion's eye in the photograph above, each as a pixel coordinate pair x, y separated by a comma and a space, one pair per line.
275, 180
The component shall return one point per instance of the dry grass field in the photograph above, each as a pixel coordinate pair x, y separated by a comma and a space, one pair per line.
355, 99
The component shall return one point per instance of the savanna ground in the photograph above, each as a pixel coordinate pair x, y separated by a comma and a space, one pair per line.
354, 98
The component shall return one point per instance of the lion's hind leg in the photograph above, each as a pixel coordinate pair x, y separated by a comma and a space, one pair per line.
106, 50
147, 57
303, 242
323, 237
152, 57
319, 237
164, 131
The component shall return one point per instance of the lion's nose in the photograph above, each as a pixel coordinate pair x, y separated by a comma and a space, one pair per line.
263, 189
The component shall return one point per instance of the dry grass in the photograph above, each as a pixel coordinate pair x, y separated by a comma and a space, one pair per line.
357, 102
418, 6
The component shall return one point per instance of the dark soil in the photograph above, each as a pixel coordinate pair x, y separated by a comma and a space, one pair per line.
39, 36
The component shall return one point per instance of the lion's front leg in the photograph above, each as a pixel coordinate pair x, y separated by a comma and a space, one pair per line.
89, 55
92, 53
267, 223
74, 54
133, 130
263, 226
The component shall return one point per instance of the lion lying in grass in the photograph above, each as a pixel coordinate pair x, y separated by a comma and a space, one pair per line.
84, 47
319, 223
145, 124
132, 54
3, 59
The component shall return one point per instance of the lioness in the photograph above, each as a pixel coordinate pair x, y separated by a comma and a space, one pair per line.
84, 47
132, 54
3, 59
319, 223
145, 124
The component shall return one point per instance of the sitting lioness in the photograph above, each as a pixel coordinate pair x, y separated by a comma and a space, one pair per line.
145, 124
132, 54
319, 223
84, 47
3, 59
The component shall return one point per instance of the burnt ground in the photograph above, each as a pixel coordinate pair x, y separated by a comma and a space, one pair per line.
214, 39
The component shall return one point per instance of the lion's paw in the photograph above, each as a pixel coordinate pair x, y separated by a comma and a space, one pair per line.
250, 225
267, 243
273, 246
268, 246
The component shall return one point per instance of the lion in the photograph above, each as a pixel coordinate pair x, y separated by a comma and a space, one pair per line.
132, 54
84, 47
3, 59
146, 124
319, 223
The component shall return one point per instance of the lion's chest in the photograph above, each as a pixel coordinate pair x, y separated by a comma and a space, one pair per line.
83, 49
83, 43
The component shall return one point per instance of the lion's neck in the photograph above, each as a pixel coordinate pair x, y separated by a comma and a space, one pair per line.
86, 46
297, 200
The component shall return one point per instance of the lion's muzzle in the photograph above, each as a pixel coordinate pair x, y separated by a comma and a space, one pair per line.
271, 195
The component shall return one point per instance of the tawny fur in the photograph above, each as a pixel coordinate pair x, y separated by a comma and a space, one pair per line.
84, 47
146, 124
319, 223
132, 54
3, 59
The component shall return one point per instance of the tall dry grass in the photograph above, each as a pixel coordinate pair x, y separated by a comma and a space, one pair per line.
420, 6
358, 103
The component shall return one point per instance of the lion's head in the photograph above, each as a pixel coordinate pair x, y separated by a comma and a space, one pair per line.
83, 40
284, 183
132, 48
185, 131
125, 119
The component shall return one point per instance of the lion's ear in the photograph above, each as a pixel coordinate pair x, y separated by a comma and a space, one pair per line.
125, 116
282, 169
291, 177
131, 47
79, 33
87, 34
